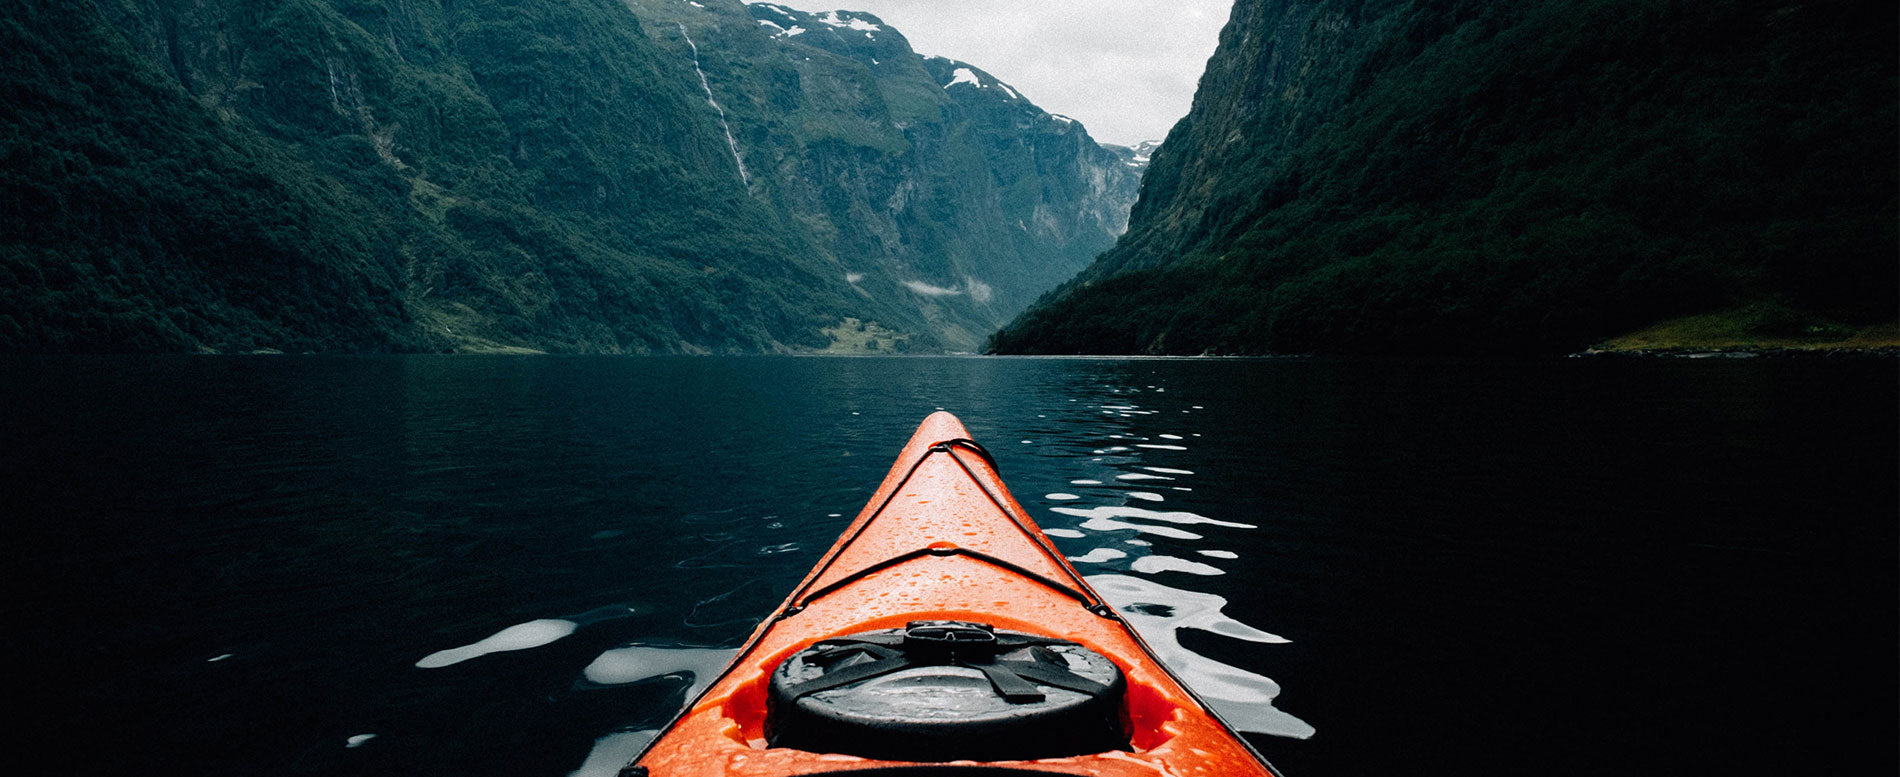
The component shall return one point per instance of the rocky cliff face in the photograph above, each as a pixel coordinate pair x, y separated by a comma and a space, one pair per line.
938, 187
1141, 154
565, 175
1444, 175
1273, 83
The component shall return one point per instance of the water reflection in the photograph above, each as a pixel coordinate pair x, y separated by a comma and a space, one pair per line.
1099, 555
1094, 459
1160, 613
640, 663
198, 535
1166, 516
1149, 565
522, 636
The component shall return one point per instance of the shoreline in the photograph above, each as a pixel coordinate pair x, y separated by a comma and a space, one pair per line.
1744, 352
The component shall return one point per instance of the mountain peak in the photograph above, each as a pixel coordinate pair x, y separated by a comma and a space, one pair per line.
955, 73
854, 20
786, 19
855, 34
1136, 156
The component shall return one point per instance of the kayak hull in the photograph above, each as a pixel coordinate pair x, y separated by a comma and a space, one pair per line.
942, 539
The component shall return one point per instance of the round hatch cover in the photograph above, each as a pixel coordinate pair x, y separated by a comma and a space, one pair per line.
946, 691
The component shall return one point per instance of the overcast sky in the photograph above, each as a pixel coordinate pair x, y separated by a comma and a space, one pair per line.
1125, 68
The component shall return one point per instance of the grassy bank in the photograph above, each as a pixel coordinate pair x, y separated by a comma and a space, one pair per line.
1758, 327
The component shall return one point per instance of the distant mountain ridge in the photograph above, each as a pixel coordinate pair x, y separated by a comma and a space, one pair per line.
549, 175
1411, 176
1142, 154
947, 187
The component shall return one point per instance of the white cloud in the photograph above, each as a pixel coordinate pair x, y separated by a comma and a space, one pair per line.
979, 291
931, 291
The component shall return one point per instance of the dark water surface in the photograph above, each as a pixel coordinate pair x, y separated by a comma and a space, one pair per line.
233, 566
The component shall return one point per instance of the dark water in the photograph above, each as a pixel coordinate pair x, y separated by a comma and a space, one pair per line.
232, 566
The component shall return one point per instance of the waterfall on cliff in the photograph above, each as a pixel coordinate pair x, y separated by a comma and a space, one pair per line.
703, 84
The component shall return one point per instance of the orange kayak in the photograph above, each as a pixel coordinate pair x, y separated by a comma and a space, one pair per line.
944, 635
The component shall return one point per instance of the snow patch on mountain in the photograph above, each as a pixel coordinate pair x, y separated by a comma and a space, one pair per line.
847, 20
1140, 154
788, 13
964, 75
782, 31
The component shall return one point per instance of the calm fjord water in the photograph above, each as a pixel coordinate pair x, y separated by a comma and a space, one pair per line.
311, 566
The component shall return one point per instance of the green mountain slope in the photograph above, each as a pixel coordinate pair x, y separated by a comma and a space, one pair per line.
1438, 175
483, 175
954, 199
130, 219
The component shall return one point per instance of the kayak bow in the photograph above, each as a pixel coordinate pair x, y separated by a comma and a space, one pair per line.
943, 634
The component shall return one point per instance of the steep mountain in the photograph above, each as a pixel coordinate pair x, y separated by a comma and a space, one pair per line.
1432, 175
937, 186
132, 218
1141, 154
348, 175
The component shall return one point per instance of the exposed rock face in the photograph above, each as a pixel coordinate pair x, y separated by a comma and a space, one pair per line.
936, 185
1451, 176
562, 175
1261, 96
1142, 154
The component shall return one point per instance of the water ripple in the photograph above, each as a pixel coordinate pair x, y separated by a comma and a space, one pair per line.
1243, 698
1181, 517
1149, 565
523, 636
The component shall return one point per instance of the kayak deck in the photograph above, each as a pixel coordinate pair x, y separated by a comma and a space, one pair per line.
943, 540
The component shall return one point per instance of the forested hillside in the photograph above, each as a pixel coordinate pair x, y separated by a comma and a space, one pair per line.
362, 175
134, 219
1444, 175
